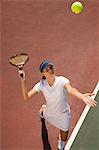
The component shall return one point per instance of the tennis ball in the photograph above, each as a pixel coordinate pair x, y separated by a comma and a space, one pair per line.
77, 7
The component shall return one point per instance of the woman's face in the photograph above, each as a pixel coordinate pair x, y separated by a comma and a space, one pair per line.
49, 70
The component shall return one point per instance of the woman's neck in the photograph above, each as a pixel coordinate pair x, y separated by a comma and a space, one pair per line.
50, 79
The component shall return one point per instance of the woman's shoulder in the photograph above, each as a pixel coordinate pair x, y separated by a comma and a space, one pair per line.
43, 82
61, 77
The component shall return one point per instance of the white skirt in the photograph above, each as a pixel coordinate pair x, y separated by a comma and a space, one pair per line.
60, 120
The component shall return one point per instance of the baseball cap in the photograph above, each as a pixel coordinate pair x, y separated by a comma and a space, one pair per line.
44, 64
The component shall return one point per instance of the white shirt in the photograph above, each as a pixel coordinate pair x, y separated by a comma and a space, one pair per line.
55, 95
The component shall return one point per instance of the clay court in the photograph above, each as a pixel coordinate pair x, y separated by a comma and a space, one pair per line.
46, 30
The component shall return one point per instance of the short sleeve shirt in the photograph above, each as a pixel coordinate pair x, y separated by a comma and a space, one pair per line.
55, 95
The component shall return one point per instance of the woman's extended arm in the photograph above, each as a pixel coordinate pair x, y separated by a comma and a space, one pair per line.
85, 97
25, 92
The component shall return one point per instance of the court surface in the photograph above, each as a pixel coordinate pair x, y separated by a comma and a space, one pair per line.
46, 30
85, 135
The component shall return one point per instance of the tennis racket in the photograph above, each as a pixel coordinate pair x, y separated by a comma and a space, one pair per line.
19, 61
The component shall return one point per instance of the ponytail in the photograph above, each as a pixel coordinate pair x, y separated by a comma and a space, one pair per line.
43, 78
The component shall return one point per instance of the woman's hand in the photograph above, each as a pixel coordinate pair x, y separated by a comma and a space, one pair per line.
21, 74
88, 100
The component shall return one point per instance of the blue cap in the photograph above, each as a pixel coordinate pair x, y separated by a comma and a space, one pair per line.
43, 65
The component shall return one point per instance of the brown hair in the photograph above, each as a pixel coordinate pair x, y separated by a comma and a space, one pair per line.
43, 77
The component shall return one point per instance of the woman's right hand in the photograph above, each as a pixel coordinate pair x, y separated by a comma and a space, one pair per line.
21, 74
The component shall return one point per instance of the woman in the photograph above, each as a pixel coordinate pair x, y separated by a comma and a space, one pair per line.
55, 89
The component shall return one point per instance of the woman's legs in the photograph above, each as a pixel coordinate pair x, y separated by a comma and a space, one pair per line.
62, 139
64, 135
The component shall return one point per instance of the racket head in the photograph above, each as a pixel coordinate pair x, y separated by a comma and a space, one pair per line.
19, 60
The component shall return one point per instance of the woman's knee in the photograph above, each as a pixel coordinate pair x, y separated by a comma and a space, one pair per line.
64, 135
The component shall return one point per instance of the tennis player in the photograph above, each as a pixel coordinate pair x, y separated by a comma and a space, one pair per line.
55, 89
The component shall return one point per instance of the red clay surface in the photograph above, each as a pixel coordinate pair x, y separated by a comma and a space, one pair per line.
45, 30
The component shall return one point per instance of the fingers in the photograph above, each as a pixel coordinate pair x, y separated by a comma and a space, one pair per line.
91, 102
89, 94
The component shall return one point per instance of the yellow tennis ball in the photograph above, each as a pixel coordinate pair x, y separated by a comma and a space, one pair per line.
77, 7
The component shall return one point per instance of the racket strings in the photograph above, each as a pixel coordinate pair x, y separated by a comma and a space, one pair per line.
19, 60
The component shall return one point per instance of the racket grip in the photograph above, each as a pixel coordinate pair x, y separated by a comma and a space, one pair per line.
21, 74
20, 67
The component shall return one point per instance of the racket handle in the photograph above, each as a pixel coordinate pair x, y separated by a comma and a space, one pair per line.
21, 74
20, 67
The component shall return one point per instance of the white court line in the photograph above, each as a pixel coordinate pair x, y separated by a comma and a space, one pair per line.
80, 121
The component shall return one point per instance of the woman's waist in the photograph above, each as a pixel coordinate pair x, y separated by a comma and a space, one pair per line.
52, 108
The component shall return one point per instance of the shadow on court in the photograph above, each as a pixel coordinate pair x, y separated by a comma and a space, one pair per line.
44, 134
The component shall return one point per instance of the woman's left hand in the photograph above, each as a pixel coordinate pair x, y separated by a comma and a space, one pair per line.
88, 100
